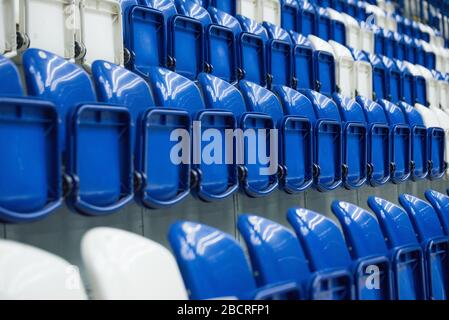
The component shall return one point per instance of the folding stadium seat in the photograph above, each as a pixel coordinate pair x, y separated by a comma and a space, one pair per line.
363, 73
324, 66
434, 243
400, 146
251, 53
221, 95
378, 142
270, 245
214, 265
307, 18
55, 33
153, 187
328, 143
261, 10
410, 46
420, 156
403, 25
338, 28
351, 8
289, 14
344, 70
430, 57
8, 41
352, 31
407, 82
367, 248
405, 252
303, 66
354, 170
390, 43
440, 203
443, 89
325, 249
212, 178
228, 6
278, 56
29, 273
425, 31
98, 180
419, 54
100, 35
23, 120
400, 49
379, 76
323, 24
125, 266
393, 80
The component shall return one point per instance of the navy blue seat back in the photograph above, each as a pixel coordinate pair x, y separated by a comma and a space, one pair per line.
325, 249
368, 249
101, 177
354, 142
400, 142
30, 165
289, 14
405, 252
303, 65
328, 142
434, 242
378, 142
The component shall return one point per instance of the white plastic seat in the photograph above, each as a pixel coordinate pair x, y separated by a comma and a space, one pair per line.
100, 36
48, 25
261, 10
344, 69
353, 32
440, 58
391, 23
8, 41
29, 273
366, 38
124, 265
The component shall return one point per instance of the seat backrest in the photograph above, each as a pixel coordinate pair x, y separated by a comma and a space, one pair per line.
374, 113
407, 82
219, 94
350, 110
307, 18
345, 73
303, 66
424, 219
394, 92
11, 83
172, 90
361, 230
321, 239
338, 26
100, 31
440, 203
29, 273
325, 108
379, 76
260, 99
324, 62
275, 252
60, 24
228, 6
412, 116
225, 19
431, 86
212, 263
295, 103
393, 112
323, 25
193, 10
289, 14
123, 265
353, 32
419, 84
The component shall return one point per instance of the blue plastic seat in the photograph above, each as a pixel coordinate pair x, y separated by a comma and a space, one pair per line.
379, 39
419, 142
354, 142
307, 18
379, 76
30, 165
419, 54
303, 65
100, 180
400, 49
378, 142
407, 83
367, 248
393, 80
289, 14
324, 66
440, 203
251, 53
213, 177
406, 256
361, 12
410, 45
213, 265
219, 94
328, 142
389, 44
279, 56
276, 256
434, 242
351, 8
400, 146
323, 24
161, 182
339, 5
338, 31
228, 6
324, 247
